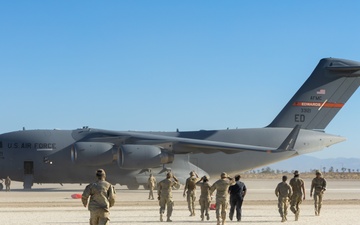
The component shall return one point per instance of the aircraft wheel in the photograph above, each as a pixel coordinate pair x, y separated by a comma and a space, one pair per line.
1, 187
133, 186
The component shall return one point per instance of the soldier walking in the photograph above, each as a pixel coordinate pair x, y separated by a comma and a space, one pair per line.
318, 184
205, 197
165, 195
221, 186
102, 197
7, 183
151, 185
190, 191
298, 188
283, 191
237, 194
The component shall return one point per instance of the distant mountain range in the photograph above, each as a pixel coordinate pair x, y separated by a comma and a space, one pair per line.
305, 163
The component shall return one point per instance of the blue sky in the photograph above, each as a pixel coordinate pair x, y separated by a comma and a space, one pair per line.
163, 65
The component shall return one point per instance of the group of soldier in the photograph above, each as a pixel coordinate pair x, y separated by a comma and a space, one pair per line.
224, 186
295, 192
102, 196
7, 183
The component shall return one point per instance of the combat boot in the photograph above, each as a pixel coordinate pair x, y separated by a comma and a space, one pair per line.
296, 216
283, 219
168, 220
161, 218
218, 222
207, 216
202, 217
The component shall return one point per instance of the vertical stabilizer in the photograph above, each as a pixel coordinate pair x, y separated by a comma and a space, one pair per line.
322, 96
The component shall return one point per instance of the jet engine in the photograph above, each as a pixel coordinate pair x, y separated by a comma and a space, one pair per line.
93, 153
143, 156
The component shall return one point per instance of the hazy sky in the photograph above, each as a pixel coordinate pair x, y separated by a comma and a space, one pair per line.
163, 65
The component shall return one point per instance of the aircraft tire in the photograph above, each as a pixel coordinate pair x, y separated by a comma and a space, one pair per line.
1, 186
133, 186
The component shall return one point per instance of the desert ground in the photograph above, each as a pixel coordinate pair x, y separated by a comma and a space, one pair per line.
53, 204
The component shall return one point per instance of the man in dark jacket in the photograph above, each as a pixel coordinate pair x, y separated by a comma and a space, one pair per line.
237, 194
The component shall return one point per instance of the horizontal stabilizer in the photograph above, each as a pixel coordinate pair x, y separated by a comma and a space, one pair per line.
344, 68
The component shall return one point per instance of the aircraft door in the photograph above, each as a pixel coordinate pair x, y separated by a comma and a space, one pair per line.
28, 174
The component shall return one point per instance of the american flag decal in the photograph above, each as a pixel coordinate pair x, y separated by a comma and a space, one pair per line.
321, 92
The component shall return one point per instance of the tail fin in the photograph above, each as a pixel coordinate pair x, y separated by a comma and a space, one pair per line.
321, 97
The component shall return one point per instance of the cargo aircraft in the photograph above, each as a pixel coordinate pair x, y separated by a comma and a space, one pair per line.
72, 156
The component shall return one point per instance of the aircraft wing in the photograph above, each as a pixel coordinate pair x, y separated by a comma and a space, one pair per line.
187, 145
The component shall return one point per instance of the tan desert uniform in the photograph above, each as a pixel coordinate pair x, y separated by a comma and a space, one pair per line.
151, 184
7, 183
283, 191
297, 185
102, 197
205, 197
319, 184
221, 186
165, 195
190, 189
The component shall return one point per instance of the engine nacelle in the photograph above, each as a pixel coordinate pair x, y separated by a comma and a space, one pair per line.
143, 156
93, 153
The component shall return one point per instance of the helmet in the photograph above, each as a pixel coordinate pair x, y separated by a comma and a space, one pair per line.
296, 173
318, 172
192, 173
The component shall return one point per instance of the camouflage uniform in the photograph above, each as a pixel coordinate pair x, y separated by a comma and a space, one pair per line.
319, 184
297, 185
151, 185
102, 197
205, 197
221, 186
165, 195
283, 191
190, 189
7, 183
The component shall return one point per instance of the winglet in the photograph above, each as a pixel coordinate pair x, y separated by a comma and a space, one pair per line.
290, 140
